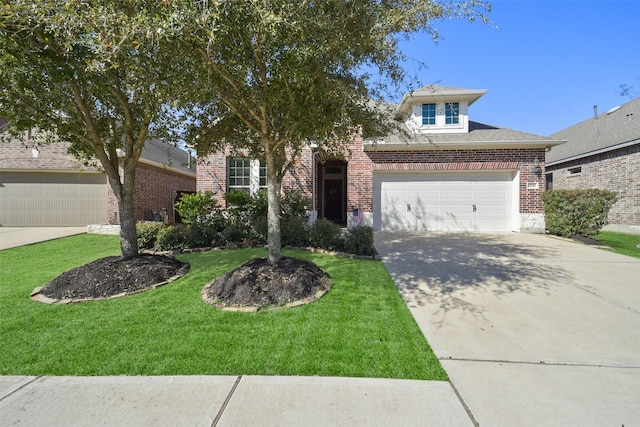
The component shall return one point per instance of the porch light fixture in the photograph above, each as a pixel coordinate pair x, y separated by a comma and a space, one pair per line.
536, 166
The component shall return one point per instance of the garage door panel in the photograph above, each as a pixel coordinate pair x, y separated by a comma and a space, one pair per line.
458, 209
497, 225
424, 210
455, 224
460, 201
462, 195
424, 194
52, 199
499, 210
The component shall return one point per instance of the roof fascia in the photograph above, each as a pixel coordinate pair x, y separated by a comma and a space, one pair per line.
466, 145
166, 167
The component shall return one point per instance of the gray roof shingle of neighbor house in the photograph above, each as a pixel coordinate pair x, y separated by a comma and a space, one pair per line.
162, 154
615, 128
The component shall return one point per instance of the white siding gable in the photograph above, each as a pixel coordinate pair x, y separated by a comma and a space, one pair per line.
414, 120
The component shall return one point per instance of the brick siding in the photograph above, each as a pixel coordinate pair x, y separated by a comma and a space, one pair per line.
617, 170
155, 190
361, 164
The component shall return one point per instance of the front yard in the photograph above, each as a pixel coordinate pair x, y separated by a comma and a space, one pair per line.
361, 328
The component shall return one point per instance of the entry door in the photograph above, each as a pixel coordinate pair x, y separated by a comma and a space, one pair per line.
334, 200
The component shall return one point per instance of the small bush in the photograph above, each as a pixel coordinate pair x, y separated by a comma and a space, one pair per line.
172, 238
237, 198
202, 235
326, 235
197, 207
294, 205
359, 240
295, 231
148, 233
571, 213
233, 233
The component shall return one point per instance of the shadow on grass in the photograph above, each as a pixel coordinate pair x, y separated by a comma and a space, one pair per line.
443, 269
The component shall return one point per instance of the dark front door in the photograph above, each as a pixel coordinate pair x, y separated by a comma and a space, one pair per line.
334, 200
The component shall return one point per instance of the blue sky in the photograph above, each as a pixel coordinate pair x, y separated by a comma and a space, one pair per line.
546, 64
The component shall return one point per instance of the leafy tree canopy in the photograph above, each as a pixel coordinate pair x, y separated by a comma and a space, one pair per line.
97, 74
279, 74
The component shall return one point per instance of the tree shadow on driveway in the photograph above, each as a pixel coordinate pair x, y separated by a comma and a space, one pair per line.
443, 269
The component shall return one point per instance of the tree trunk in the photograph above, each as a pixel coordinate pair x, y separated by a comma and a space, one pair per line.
274, 186
128, 234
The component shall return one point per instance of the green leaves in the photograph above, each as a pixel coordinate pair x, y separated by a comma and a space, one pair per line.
570, 213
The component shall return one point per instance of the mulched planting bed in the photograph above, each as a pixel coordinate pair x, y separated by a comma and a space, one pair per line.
257, 284
111, 276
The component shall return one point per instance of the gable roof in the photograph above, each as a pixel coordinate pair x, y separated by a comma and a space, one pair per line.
480, 135
616, 128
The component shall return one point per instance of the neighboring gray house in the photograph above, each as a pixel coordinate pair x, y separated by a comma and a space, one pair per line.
602, 152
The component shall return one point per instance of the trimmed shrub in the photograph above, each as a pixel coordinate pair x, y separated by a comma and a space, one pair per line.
203, 235
172, 238
198, 207
571, 213
359, 240
148, 233
294, 205
326, 235
233, 233
237, 198
294, 231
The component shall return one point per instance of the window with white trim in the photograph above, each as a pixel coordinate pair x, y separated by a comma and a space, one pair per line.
452, 113
428, 114
246, 175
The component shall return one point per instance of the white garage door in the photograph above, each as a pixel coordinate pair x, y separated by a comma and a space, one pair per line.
52, 199
460, 201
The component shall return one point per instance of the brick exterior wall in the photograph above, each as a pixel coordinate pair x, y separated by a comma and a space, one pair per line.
617, 170
15, 155
361, 164
155, 190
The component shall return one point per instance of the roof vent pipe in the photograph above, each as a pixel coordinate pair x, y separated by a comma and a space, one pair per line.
595, 112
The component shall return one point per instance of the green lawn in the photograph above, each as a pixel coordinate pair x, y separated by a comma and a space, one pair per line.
361, 328
625, 244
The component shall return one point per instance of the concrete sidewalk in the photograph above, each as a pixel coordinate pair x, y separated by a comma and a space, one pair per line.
227, 400
12, 237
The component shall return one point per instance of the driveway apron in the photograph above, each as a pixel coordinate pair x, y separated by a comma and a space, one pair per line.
532, 330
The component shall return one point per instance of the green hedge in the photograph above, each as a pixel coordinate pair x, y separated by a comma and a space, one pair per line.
571, 213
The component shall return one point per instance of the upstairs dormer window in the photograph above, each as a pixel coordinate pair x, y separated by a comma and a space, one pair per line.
452, 113
428, 114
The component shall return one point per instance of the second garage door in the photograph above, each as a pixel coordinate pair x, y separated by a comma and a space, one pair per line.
52, 199
457, 202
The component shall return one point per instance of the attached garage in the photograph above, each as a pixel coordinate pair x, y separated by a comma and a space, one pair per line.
446, 201
52, 198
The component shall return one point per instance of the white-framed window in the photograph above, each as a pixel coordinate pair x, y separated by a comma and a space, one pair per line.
246, 174
452, 113
428, 114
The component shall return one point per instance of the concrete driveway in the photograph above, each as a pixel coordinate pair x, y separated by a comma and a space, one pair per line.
12, 237
532, 330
